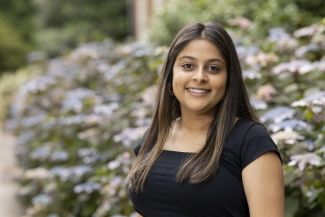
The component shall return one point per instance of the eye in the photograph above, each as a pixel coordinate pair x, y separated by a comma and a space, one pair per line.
188, 66
213, 68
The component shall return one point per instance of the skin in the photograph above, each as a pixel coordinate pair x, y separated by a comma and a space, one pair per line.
264, 186
201, 66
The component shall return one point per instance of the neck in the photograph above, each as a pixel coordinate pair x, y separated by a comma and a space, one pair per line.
194, 123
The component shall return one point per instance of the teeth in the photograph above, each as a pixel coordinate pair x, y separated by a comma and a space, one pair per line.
197, 90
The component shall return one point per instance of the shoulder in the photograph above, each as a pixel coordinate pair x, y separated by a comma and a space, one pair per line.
256, 142
257, 130
250, 128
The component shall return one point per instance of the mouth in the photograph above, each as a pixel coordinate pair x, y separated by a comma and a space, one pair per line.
200, 91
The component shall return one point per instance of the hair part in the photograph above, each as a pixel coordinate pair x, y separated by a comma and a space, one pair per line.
202, 166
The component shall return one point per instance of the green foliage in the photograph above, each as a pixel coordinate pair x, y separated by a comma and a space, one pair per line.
20, 15
13, 48
63, 25
56, 26
76, 123
16, 33
312, 7
264, 14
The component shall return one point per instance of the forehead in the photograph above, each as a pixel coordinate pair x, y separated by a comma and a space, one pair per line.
201, 49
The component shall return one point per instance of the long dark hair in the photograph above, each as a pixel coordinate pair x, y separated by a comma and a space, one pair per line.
202, 166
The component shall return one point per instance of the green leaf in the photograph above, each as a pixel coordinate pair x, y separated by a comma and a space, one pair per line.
291, 206
309, 115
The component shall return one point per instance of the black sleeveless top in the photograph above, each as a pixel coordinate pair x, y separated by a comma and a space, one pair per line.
223, 196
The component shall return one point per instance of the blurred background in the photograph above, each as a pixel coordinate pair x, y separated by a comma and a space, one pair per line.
77, 87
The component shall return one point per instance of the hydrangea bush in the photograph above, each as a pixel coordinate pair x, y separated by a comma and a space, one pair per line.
77, 122
286, 77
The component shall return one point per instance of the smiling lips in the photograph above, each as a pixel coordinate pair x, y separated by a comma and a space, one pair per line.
193, 90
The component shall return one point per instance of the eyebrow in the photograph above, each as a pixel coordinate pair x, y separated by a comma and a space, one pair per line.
210, 60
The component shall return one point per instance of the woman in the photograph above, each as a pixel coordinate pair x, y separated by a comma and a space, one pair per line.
205, 154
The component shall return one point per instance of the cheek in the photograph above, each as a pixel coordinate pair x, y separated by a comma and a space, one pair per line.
224, 89
177, 81
176, 87
221, 87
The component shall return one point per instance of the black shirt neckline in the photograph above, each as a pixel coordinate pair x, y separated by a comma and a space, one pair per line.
185, 152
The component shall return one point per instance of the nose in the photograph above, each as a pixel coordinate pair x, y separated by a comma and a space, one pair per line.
199, 75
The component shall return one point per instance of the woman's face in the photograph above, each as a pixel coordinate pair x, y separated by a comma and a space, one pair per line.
199, 77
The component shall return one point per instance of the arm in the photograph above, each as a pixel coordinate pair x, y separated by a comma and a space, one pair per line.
138, 215
264, 186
